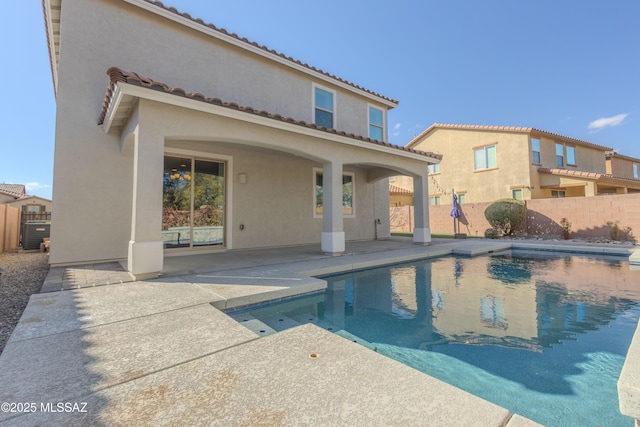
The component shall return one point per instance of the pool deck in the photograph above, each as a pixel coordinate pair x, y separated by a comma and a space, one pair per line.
161, 352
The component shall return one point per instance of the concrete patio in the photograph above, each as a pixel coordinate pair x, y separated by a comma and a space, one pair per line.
160, 352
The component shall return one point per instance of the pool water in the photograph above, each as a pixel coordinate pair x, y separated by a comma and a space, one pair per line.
541, 334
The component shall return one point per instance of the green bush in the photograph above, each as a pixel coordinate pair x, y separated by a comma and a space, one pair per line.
506, 215
491, 233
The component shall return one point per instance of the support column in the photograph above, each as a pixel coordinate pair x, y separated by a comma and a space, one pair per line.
421, 230
332, 225
146, 251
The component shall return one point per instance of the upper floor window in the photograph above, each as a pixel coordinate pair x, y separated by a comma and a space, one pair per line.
434, 168
434, 200
535, 150
571, 155
635, 170
462, 198
559, 155
324, 107
485, 157
558, 194
376, 124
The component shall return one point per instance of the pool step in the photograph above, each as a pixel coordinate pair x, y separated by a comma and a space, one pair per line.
356, 339
255, 325
303, 318
279, 322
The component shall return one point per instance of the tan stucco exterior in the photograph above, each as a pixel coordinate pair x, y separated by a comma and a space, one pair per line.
515, 167
115, 167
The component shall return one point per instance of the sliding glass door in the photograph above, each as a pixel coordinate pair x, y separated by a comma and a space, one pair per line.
193, 203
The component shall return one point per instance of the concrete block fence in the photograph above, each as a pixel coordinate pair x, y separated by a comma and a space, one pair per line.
611, 217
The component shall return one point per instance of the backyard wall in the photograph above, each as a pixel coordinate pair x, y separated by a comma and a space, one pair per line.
9, 227
590, 217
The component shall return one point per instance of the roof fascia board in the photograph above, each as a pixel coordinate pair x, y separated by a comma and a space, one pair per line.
256, 50
51, 42
122, 89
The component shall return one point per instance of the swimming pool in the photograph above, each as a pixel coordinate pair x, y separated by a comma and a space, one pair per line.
541, 334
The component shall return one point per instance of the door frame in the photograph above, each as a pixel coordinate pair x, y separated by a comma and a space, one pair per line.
228, 209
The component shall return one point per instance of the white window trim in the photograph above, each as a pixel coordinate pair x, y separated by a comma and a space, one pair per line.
485, 147
313, 103
566, 152
384, 121
353, 200
636, 170
172, 152
536, 151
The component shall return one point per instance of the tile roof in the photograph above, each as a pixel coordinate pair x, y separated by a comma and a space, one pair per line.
611, 154
588, 175
266, 49
117, 75
394, 189
530, 130
17, 191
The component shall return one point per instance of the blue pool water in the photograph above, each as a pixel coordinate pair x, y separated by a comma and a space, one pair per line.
541, 334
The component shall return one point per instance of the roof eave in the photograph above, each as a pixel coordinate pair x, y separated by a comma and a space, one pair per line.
119, 91
242, 43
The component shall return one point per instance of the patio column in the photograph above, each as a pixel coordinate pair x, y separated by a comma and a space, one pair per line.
332, 225
146, 252
421, 230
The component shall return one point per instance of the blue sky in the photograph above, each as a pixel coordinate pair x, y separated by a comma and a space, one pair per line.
570, 67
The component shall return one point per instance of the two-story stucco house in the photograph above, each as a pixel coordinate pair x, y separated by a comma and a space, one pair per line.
175, 136
486, 163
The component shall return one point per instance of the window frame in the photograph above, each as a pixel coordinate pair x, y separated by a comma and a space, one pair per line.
319, 171
560, 158
435, 200
636, 171
382, 126
573, 151
534, 152
486, 157
462, 198
517, 190
314, 107
433, 169
558, 194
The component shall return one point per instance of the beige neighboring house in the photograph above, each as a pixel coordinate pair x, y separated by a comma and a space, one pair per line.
486, 163
623, 166
174, 136
15, 195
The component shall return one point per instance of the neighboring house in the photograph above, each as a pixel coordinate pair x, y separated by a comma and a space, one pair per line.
623, 166
486, 163
12, 192
197, 140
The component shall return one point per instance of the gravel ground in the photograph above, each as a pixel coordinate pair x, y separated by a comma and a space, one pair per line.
22, 275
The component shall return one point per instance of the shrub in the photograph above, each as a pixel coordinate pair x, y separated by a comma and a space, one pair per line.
506, 215
491, 233
566, 228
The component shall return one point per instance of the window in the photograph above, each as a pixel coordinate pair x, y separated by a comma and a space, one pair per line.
434, 168
35, 208
376, 124
571, 155
535, 150
517, 194
635, 170
557, 193
434, 200
485, 157
462, 198
559, 155
347, 194
324, 107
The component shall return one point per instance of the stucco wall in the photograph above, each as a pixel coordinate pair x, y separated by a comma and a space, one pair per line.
590, 217
93, 179
457, 166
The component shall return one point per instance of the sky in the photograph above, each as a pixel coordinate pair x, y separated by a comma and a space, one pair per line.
570, 67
